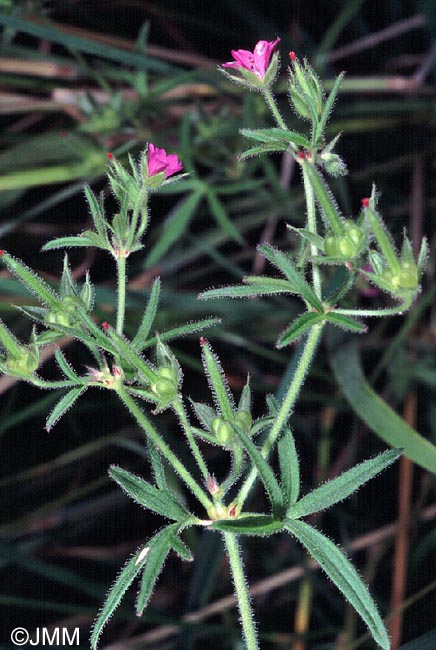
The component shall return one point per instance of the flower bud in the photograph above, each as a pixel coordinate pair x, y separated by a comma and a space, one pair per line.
22, 364
244, 420
223, 430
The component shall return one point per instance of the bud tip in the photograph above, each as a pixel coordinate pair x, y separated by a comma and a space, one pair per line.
110, 155
105, 325
302, 155
203, 341
292, 56
365, 202
1, 252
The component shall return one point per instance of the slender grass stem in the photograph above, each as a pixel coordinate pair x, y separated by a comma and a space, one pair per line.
242, 593
286, 406
165, 450
181, 412
121, 303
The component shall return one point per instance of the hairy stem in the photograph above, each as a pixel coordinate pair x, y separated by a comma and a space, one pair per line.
388, 311
286, 406
311, 225
181, 412
151, 432
242, 593
121, 307
273, 107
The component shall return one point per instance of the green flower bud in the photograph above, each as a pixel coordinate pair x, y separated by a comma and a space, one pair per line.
165, 389
24, 364
331, 246
58, 318
244, 420
223, 430
346, 248
353, 232
167, 373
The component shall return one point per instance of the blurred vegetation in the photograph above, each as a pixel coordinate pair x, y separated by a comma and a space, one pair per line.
80, 79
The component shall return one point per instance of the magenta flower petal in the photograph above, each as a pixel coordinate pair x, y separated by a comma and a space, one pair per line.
256, 62
159, 161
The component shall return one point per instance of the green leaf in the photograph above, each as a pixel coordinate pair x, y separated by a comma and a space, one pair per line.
96, 210
148, 317
275, 136
341, 487
222, 218
340, 570
157, 500
71, 242
217, 382
298, 327
251, 291
158, 548
265, 472
249, 524
264, 148
125, 350
66, 368
328, 106
324, 199
345, 322
125, 578
285, 265
30, 280
182, 330
289, 467
375, 412
309, 236
63, 405
157, 465
174, 226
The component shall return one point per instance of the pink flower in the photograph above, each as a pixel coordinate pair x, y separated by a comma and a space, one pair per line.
256, 61
158, 161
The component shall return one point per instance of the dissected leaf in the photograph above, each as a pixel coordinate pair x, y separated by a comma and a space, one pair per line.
340, 570
342, 486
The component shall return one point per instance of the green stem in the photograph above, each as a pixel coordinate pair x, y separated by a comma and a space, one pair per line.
151, 432
273, 107
121, 276
181, 412
41, 383
311, 224
242, 594
389, 311
286, 406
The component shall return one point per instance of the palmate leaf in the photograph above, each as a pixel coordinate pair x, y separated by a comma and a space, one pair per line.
268, 147
154, 553
148, 317
339, 569
249, 524
182, 330
217, 381
289, 467
65, 403
275, 136
345, 322
157, 551
265, 472
30, 280
341, 487
301, 325
157, 500
263, 286
297, 282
